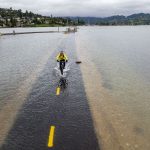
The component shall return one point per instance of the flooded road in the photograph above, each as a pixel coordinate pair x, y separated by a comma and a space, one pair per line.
105, 104
30, 116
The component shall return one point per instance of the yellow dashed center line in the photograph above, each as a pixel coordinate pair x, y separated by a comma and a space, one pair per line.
58, 91
51, 136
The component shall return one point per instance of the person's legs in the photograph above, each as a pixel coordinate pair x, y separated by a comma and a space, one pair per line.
60, 67
64, 64
60, 64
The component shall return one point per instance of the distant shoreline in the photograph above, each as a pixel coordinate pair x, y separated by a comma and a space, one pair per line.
34, 26
67, 26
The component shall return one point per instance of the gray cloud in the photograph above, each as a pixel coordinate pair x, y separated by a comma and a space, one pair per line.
97, 8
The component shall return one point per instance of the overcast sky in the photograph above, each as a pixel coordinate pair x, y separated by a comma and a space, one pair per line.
98, 8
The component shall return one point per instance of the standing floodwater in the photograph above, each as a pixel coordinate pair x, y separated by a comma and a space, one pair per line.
104, 102
119, 62
19, 57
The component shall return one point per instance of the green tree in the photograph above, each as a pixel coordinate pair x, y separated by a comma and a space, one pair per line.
6, 22
13, 22
20, 13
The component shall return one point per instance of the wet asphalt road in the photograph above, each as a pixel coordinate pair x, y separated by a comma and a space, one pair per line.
69, 112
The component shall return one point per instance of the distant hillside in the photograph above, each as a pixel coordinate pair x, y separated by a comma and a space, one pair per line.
135, 19
18, 18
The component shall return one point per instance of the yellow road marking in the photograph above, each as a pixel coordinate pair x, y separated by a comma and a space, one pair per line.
51, 136
58, 91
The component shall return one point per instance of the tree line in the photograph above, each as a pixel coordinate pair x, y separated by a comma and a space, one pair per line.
18, 18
